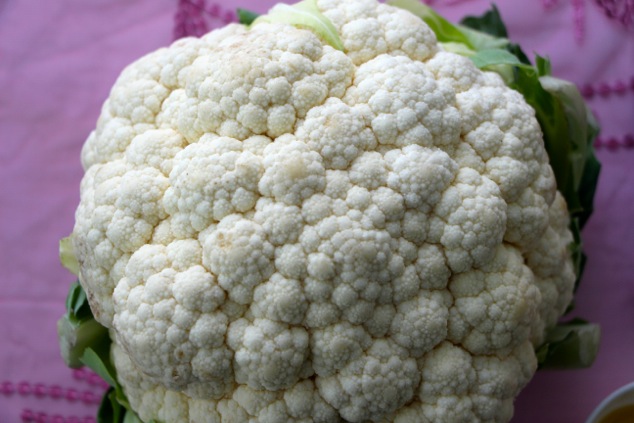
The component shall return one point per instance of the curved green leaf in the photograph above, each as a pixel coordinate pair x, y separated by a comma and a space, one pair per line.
571, 345
93, 360
306, 15
448, 32
77, 329
67, 255
484, 59
246, 17
110, 411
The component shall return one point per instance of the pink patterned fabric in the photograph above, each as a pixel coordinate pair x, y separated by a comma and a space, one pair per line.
620, 10
58, 60
195, 17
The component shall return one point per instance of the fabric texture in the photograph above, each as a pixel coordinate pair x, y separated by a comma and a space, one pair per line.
58, 60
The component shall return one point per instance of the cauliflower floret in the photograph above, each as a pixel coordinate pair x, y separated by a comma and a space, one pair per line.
458, 387
374, 385
333, 347
421, 323
494, 306
420, 175
469, 221
274, 230
293, 172
280, 299
268, 355
226, 182
238, 252
325, 126
368, 30
407, 105
166, 316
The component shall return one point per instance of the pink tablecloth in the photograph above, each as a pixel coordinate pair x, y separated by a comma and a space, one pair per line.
57, 61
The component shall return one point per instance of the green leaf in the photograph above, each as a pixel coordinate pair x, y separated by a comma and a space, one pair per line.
99, 362
557, 139
501, 62
570, 345
591, 172
78, 330
517, 51
581, 131
480, 40
110, 411
93, 360
588, 187
74, 338
543, 65
131, 417
77, 300
484, 59
306, 15
457, 48
490, 22
576, 251
85, 342
447, 32
67, 255
77, 306
246, 17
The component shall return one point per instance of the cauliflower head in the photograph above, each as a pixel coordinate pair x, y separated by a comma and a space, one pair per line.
276, 230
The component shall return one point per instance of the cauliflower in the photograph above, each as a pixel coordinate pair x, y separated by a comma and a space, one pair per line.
355, 224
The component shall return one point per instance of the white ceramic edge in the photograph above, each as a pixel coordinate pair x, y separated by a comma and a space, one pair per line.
604, 406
